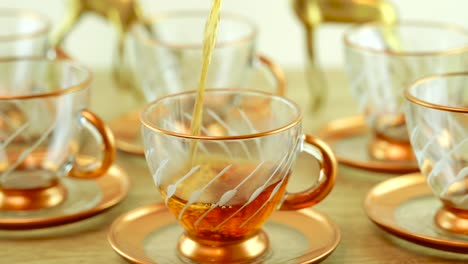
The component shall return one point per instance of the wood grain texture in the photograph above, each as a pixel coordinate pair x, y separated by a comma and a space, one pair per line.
362, 242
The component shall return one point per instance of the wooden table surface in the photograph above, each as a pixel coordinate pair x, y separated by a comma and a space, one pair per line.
362, 242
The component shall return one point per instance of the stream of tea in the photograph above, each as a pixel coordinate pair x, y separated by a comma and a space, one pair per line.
209, 42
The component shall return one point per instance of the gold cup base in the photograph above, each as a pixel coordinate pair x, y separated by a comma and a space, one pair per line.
452, 220
244, 251
383, 149
32, 199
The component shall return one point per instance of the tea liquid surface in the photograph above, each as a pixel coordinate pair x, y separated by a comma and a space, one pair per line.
225, 201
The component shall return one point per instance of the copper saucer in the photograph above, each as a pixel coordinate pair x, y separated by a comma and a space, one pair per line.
126, 130
405, 206
84, 198
149, 234
349, 138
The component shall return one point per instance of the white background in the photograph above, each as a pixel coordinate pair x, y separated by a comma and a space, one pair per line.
280, 32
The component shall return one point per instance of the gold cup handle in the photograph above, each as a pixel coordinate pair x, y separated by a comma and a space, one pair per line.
109, 148
326, 181
276, 72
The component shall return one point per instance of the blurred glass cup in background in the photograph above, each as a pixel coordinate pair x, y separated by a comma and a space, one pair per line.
43, 109
23, 33
383, 59
165, 56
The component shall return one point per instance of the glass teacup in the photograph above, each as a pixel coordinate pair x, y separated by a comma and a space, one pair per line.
224, 184
437, 118
383, 59
165, 53
42, 111
23, 33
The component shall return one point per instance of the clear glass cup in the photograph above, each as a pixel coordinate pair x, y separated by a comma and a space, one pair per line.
224, 184
43, 109
164, 56
167, 53
382, 59
23, 33
437, 118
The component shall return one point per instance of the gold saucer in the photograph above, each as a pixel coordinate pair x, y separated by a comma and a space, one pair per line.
126, 130
85, 198
149, 234
405, 206
349, 138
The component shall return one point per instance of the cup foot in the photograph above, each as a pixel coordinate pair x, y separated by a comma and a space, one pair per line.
452, 220
32, 199
349, 136
243, 251
383, 149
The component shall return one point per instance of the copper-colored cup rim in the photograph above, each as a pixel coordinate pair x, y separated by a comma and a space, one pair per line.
82, 84
199, 14
425, 24
414, 99
44, 29
294, 122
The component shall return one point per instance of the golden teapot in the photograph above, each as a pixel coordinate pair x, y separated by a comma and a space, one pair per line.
312, 13
120, 13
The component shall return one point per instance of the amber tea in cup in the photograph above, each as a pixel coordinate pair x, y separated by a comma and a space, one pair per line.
203, 217
224, 192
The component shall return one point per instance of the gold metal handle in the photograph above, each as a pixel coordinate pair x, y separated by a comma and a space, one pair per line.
326, 181
276, 72
109, 148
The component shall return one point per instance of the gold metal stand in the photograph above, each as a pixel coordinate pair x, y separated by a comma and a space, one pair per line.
313, 13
